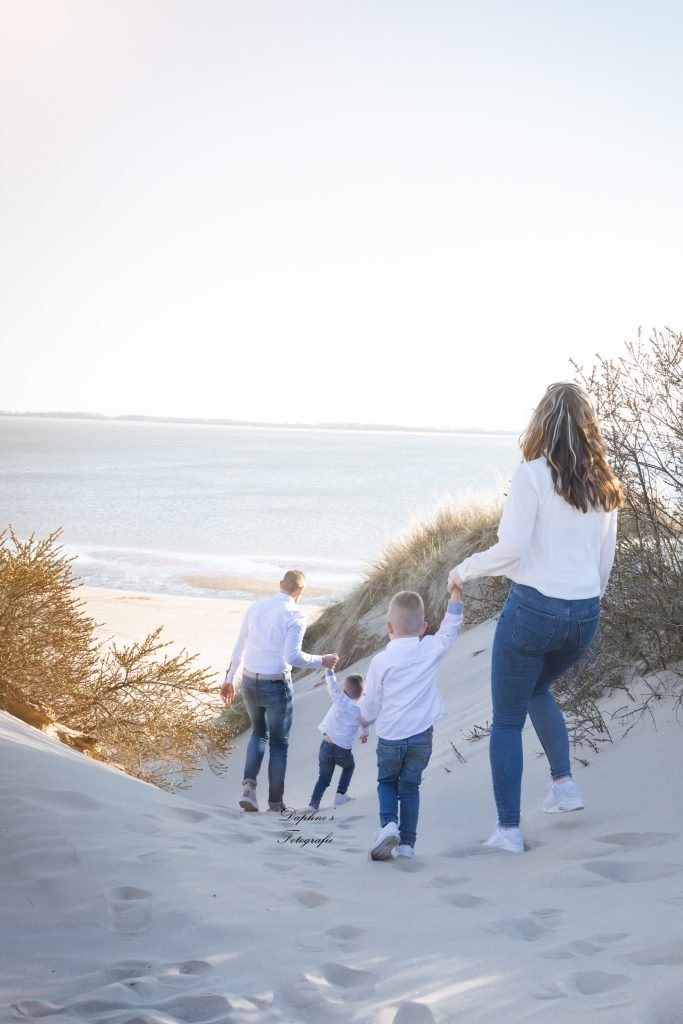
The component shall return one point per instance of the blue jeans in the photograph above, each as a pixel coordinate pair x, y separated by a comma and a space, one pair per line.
329, 757
269, 705
400, 764
537, 639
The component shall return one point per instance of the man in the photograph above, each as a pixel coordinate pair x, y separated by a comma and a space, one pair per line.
269, 643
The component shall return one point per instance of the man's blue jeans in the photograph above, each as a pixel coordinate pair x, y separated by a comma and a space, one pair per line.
400, 764
269, 705
537, 639
329, 757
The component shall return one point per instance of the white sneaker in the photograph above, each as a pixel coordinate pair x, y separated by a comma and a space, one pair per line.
384, 842
341, 798
403, 850
248, 801
509, 839
563, 796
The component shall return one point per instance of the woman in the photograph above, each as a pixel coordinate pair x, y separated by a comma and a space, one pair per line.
556, 543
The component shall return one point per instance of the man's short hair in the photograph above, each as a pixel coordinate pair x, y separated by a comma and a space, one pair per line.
353, 685
292, 580
406, 613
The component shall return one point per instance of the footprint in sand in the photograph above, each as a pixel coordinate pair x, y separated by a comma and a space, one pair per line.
637, 840
633, 871
585, 947
185, 814
129, 909
592, 983
310, 898
449, 882
49, 860
413, 1013
668, 955
345, 932
464, 900
357, 983
69, 800
193, 1008
524, 928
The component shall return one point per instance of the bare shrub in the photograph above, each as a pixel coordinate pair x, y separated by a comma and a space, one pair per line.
150, 713
639, 400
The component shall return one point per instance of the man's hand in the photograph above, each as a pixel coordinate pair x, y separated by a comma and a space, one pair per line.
363, 739
227, 693
454, 584
330, 660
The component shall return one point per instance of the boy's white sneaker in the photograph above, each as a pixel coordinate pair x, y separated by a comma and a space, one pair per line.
508, 839
385, 841
562, 796
403, 850
341, 798
248, 801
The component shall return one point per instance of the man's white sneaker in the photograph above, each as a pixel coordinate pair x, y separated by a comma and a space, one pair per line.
509, 839
341, 798
403, 850
385, 841
248, 801
563, 796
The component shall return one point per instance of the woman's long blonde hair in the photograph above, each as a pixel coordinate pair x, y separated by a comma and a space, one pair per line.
564, 430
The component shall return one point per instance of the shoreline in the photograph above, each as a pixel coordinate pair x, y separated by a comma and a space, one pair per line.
205, 626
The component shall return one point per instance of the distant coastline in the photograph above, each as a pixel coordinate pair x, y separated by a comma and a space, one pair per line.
219, 422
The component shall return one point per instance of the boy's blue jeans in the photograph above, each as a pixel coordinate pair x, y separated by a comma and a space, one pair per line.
329, 757
269, 704
537, 639
400, 764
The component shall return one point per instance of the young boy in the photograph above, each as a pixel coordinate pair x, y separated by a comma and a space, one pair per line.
402, 698
339, 728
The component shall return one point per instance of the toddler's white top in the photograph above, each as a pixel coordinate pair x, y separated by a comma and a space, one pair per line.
546, 543
342, 721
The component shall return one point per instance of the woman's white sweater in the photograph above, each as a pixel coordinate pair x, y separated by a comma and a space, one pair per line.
546, 543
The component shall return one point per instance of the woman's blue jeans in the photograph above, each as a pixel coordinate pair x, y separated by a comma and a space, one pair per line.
400, 764
269, 704
537, 639
329, 757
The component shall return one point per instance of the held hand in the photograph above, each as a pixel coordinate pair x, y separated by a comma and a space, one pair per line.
363, 739
454, 583
330, 660
227, 693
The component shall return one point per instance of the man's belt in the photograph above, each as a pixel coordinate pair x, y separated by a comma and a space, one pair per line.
268, 677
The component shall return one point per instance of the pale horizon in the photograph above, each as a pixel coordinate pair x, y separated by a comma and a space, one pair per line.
302, 213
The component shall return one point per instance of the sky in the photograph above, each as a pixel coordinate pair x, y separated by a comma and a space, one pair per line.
333, 210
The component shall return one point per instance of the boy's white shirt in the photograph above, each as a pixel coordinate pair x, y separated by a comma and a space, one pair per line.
401, 694
342, 721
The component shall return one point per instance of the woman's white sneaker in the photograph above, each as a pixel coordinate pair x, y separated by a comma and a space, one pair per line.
509, 839
403, 850
562, 797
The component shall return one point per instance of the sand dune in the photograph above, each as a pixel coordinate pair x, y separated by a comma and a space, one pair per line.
122, 904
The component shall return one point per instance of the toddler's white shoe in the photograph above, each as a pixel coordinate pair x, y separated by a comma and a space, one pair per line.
509, 839
248, 801
563, 796
403, 850
385, 841
341, 798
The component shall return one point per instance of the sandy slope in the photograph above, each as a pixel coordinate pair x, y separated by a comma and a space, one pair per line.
124, 905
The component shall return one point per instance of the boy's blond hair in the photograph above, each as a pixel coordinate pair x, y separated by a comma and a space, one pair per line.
353, 686
406, 613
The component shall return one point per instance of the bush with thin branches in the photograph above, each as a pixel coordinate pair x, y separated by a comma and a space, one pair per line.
150, 712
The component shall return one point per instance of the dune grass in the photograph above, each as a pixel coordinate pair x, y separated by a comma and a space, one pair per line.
419, 560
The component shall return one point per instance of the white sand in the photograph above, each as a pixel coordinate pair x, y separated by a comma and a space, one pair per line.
125, 905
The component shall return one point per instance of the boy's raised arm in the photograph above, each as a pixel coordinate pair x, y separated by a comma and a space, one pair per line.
452, 620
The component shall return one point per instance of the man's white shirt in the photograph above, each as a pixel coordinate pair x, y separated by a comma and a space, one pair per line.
270, 639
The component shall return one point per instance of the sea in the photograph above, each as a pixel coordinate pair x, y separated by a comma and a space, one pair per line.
220, 510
